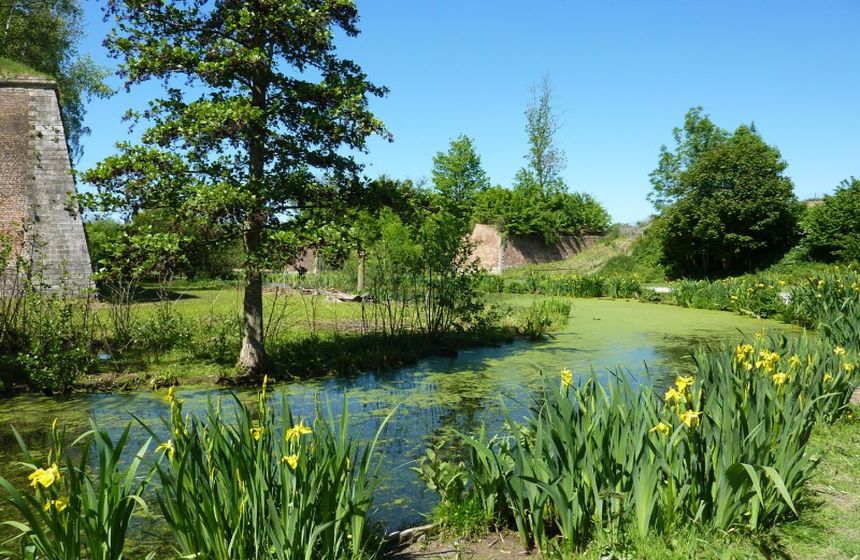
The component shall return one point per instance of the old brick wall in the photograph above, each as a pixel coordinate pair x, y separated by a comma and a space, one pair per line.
487, 242
14, 140
35, 183
495, 253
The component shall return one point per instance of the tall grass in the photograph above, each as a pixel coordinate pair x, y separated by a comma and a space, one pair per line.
535, 321
570, 285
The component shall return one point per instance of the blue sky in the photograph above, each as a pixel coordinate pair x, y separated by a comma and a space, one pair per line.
624, 73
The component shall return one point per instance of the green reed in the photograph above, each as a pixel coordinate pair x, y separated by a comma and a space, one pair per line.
723, 447
73, 511
266, 487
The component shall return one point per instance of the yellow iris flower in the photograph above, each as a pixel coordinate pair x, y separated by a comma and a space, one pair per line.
673, 395
779, 378
59, 504
662, 428
691, 418
683, 382
45, 477
257, 433
168, 447
298, 431
291, 460
566, 378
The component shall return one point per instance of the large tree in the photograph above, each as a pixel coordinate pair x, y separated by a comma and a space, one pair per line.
728, 206
44, 35
257, 121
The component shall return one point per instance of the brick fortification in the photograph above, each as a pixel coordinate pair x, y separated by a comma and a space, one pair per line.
495, 252
35, 184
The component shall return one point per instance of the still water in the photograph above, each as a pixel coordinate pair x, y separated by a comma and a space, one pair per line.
434, 397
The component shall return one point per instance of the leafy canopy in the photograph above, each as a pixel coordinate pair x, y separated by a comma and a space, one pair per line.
43, 34
832, 229
728, 206
459, 177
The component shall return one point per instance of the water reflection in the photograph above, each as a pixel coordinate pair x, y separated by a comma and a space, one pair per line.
434, 398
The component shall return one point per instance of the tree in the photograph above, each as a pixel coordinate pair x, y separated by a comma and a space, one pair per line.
730, 211
832, 229
258, 122
459, 177
545, 160
43, 34
692, 141
539, 203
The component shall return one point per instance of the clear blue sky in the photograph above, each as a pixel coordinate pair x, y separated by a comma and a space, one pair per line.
624, 74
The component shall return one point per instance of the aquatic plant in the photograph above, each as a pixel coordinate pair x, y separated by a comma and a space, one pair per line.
535, 321
262, 486
73, 511
569, 285
722, 447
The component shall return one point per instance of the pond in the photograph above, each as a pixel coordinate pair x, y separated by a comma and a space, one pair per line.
434, 397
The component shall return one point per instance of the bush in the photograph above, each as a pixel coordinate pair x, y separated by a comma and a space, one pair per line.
542, 316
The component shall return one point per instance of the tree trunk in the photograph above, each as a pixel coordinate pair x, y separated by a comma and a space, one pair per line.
360, 281
252, 356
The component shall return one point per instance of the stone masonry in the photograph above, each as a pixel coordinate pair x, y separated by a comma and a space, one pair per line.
35, 184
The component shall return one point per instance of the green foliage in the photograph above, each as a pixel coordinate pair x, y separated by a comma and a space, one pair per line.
727, 205
570, 285
267, 487
46, 337
523, 211
458, 177
832, 228
757, 296
75, 511
723, 448
42, 35
535, 321
697, 136
102, 234
265, 127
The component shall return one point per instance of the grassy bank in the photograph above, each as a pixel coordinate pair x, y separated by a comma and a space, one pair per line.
190, 333
828, 526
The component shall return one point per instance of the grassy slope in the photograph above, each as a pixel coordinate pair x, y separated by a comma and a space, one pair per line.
10, 69
588, 261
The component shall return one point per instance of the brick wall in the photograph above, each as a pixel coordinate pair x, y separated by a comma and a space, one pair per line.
496, 254
35, 184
